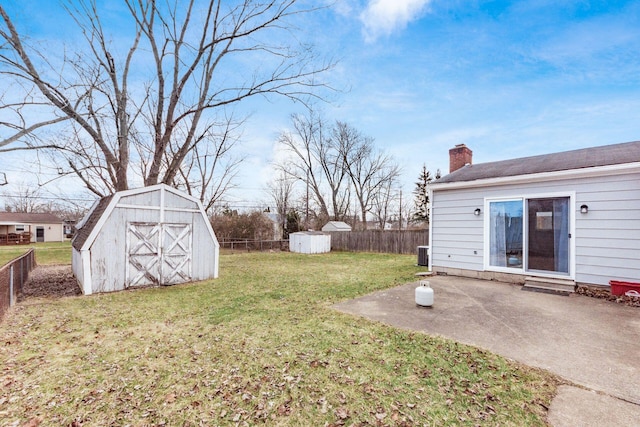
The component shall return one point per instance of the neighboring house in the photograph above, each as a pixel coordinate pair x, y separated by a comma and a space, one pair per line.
16, 228
564, 218
149, 236
336, 226
375, 225
277, 225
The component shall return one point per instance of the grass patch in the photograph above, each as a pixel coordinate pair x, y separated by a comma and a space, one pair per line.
260, 345
48, 253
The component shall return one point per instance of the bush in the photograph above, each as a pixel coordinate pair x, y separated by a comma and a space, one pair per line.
231, 225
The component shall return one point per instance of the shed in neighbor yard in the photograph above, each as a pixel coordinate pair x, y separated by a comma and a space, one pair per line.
336, 226
310, 242
148, 236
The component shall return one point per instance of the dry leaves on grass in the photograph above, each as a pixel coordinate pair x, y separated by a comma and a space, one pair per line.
605, 294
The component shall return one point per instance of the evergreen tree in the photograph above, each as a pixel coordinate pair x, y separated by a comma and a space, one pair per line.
293, 223
421, 195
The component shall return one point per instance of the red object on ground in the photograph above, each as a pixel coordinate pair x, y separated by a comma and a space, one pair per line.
619, 288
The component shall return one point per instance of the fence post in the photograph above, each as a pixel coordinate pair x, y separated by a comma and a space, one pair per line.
11, 302
22, 260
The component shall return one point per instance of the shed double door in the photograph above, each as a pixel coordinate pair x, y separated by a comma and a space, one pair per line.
158, 254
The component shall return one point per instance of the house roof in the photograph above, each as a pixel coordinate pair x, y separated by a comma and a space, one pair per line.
607, 155
28, 218
310, 233
337, 226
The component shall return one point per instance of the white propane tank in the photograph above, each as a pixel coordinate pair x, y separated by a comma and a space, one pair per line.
424, 294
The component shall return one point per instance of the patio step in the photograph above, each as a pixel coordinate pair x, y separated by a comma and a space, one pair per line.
556, 285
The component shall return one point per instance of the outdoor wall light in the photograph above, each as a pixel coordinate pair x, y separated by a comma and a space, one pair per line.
477, 212
584, 209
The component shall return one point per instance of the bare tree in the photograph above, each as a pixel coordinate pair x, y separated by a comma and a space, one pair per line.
209, 169
339, 160
24, 198
368, 169
117, 113
281, 192
306, 144
383, 203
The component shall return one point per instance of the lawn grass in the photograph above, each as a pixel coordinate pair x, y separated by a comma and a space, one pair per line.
259, 345
46, 253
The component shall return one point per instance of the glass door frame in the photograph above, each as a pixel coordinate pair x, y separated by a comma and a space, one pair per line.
524, 269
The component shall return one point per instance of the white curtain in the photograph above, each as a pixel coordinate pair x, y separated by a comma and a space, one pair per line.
498, 236
561, 234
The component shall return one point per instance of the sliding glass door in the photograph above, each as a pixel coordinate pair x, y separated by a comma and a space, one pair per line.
529, 234
548, 238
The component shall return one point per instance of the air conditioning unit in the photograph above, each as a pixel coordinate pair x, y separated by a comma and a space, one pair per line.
423, 255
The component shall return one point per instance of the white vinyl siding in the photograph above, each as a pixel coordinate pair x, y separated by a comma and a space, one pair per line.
457, 234
607, 238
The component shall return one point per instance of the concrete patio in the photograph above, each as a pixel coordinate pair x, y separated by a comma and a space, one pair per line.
592, 343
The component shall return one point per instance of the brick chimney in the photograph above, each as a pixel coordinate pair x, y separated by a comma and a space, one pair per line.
459, 156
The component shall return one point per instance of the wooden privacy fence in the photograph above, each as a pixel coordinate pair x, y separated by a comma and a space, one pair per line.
12, 276
388, 241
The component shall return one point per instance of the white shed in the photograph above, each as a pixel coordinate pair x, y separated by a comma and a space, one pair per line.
148, 236
336, 226
310, 242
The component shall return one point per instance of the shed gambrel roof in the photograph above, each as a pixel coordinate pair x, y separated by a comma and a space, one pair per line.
28, 218
87, 225
608, 155
86, 228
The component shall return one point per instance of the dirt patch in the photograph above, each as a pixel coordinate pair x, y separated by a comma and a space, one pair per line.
605, 294
50, 281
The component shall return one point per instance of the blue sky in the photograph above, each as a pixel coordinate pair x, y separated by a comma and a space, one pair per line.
506, 78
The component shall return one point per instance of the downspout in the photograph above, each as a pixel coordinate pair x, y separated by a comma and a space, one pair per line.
430, 216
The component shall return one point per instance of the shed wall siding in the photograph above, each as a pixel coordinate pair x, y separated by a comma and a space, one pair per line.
76, 266
607, 238
175, 201
205, 250
151, 198
108, 252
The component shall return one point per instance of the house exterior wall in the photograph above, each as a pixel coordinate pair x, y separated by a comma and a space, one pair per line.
606, 239
53, 232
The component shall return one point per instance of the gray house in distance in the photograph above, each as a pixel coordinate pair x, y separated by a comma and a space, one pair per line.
549, 221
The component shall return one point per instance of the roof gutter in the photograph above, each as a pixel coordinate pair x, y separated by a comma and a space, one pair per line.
591, 172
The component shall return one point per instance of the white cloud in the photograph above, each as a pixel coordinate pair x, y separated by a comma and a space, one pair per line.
383, 17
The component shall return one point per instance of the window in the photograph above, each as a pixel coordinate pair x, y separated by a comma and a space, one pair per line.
20, 228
